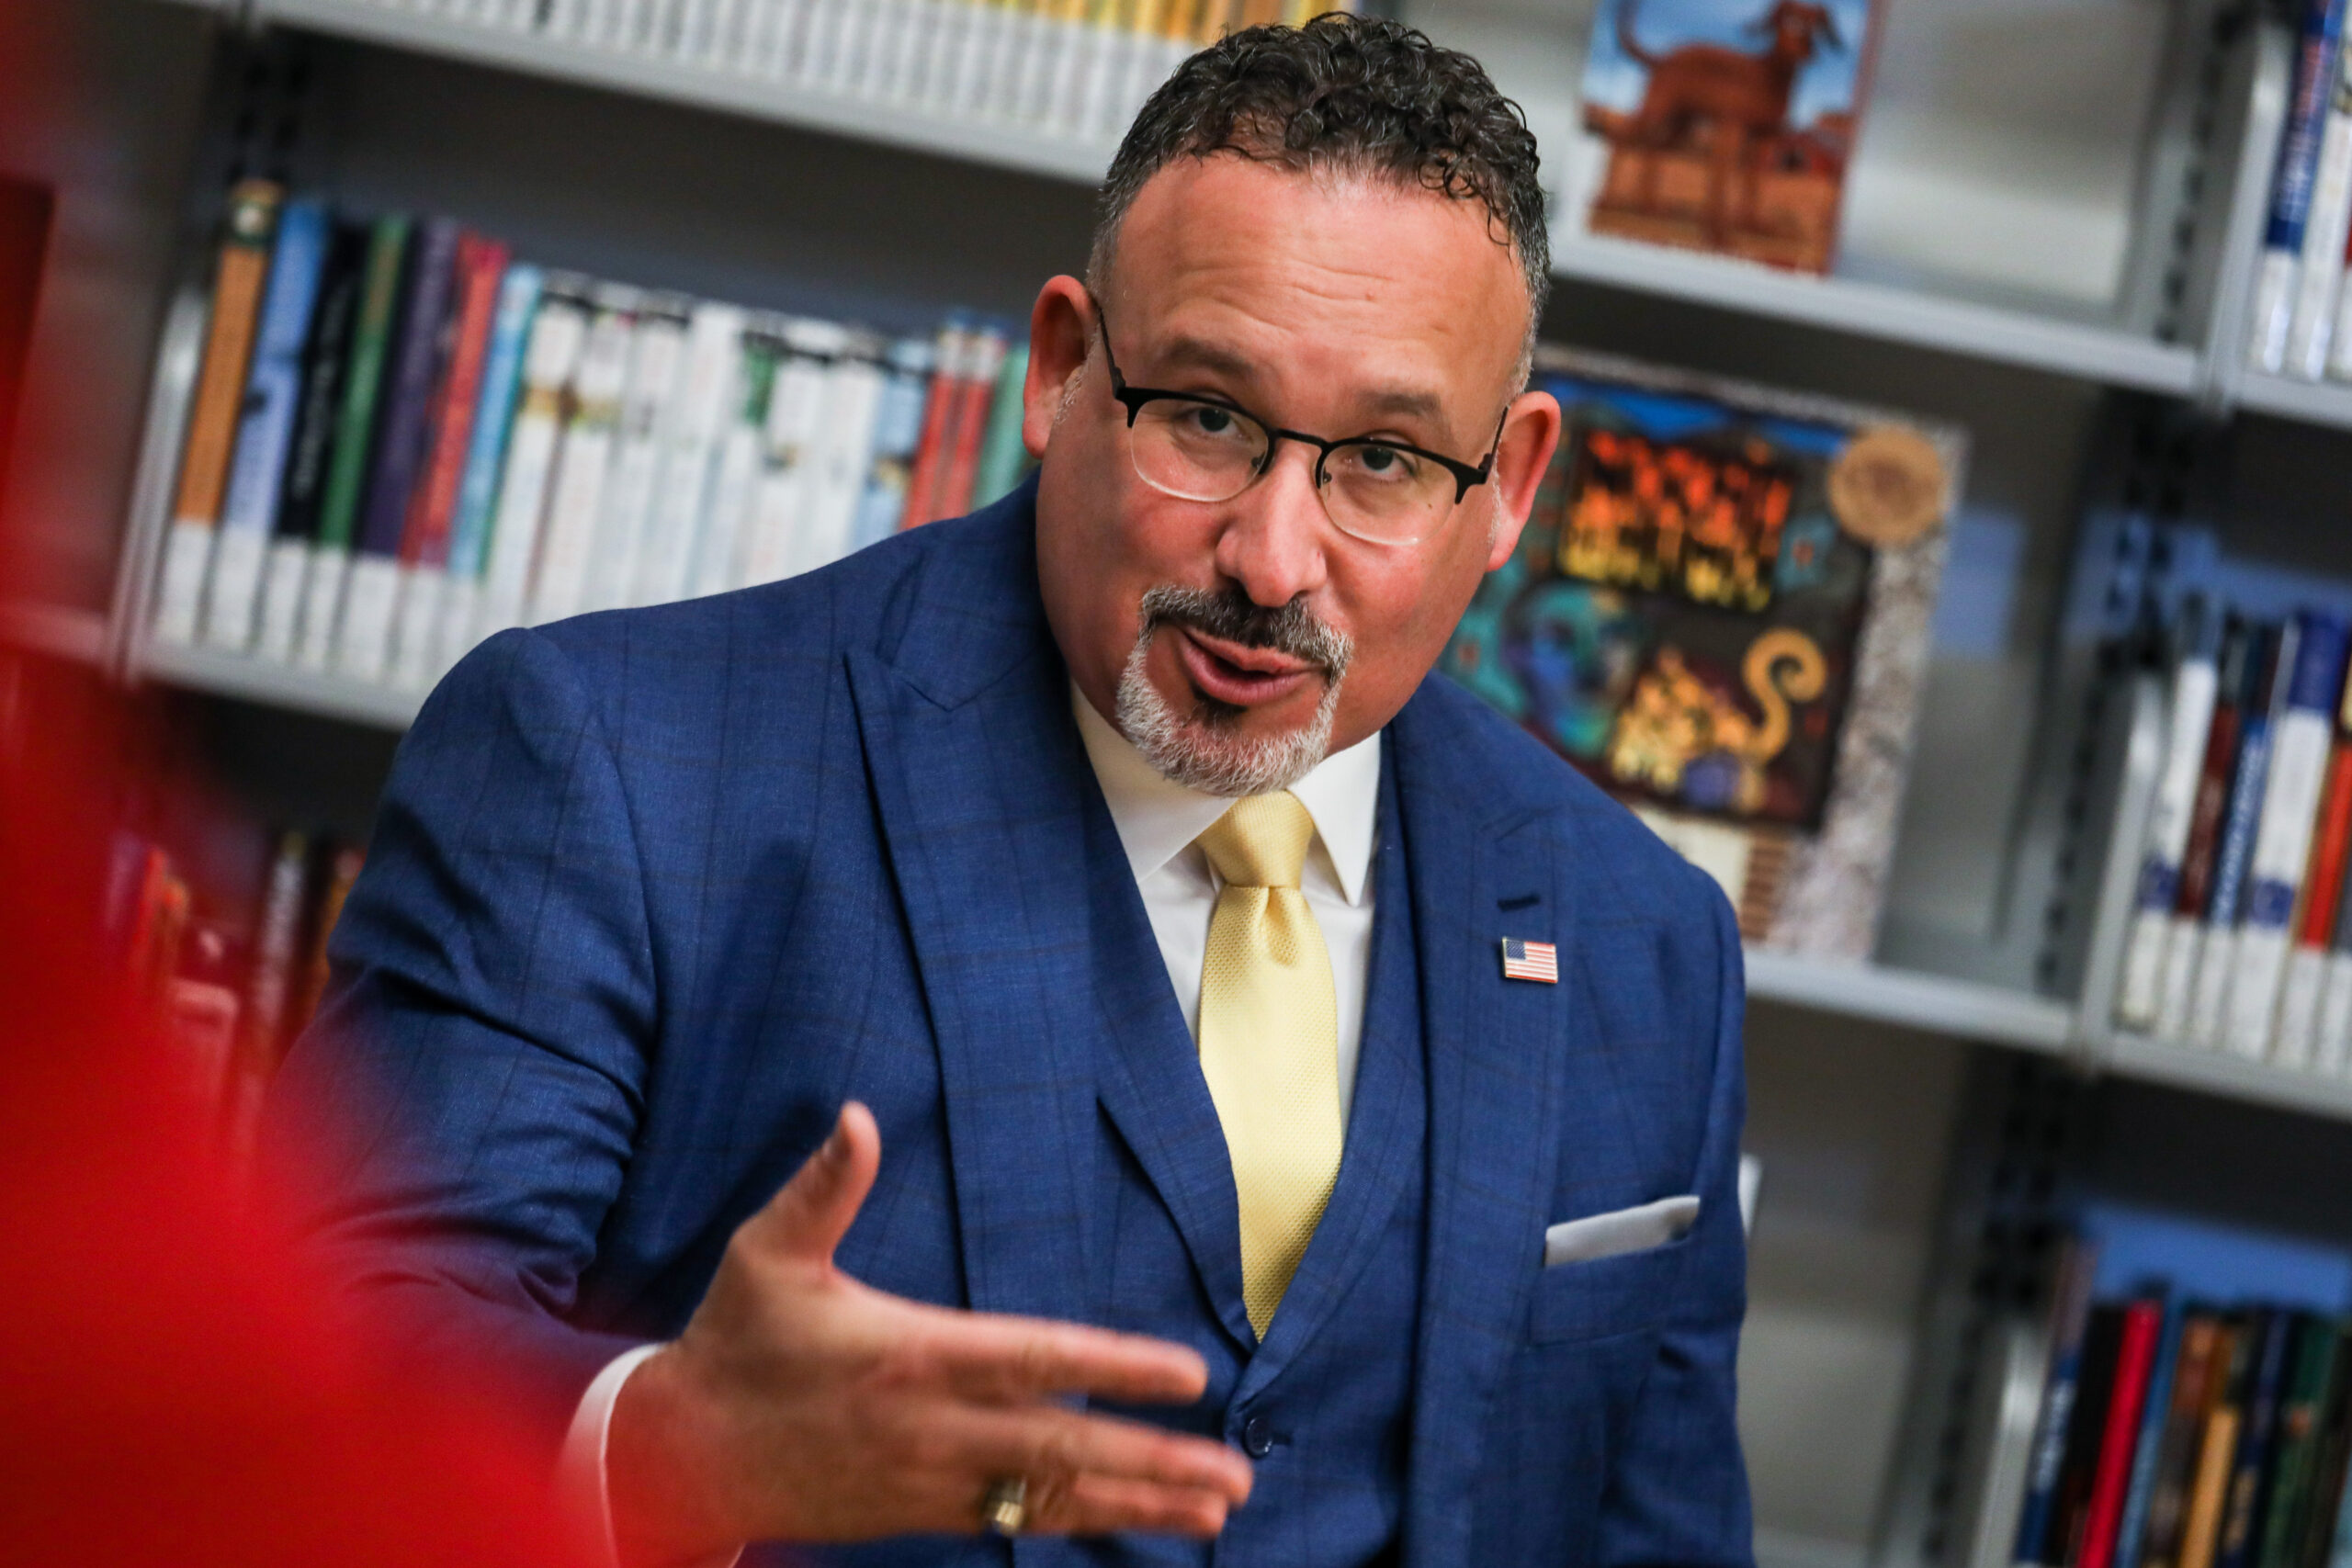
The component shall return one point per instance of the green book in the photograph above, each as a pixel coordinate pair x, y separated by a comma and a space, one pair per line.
2302, 1416
1002, 457
354, 429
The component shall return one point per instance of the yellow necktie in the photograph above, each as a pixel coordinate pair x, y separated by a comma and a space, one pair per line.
1269, 1040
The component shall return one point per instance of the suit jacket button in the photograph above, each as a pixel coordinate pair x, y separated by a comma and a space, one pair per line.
1257, 1438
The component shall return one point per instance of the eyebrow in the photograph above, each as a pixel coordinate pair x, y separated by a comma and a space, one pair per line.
1191, 353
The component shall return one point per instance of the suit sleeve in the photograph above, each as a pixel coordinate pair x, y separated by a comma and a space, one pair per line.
463, 1109
1677, 1492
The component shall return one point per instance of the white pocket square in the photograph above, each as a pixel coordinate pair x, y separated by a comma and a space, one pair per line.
1627, 1230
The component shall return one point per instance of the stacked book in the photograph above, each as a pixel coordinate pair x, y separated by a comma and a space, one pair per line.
2178, 1434
226, 996
2302, 312
2240, 939
402, 439
1070, 69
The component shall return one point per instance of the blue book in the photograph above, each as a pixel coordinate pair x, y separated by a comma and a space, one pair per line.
2273, 652
2070, 1320
501, 382
420, 344
2240, 1538
266, 424
2154, 1410
2291, 184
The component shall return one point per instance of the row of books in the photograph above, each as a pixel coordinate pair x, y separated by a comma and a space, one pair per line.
226, 997
2240, 938
402, 439
2302, 312
1078, 69
2175, 1434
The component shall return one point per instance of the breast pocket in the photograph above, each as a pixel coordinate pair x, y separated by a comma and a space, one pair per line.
1623, 1294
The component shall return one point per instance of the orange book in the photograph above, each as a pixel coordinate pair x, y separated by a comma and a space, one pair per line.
228, 350
971, 422
2326, 878
2203, 1530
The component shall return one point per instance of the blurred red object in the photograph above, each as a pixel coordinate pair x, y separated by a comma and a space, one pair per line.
181, 1386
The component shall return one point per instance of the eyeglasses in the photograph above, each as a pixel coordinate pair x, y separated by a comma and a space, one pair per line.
1381, 490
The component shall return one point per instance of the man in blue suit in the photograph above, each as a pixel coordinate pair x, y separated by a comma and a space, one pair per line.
1270, 1074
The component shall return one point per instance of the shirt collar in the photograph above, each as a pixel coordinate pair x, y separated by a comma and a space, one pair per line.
1158, 818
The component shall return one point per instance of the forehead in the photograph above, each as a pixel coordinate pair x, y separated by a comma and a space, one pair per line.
1321, 268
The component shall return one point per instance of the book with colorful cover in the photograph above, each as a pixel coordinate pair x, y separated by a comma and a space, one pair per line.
1721, 125
1720, 611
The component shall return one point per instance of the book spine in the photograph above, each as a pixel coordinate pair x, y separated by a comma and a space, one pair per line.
854, 393
502, 384
931, 450
2299, 1006
1001, 453
897, 429
354, 442
2290, 186
2299, 747
694, 425
426, 547
2070, 1313
735, 485
2256, 1439
343, 870
2302, 1416
363, 642
2119, 1443
584, 462
277, 942
2197, 1388
2207, 818
2148, 1444
325, 358
550, 361
2217, 955
2339, 1539
2312, 326
239, 275
2190, 724
773, 547
273, 402
970, 423
656, 359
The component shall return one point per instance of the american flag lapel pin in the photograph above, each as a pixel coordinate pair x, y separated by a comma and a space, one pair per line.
1538, 961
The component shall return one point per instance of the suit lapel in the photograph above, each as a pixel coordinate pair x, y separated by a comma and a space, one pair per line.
1495, 1075
979, 776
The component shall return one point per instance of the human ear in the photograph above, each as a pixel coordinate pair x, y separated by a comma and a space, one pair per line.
1531, 430
1060, 323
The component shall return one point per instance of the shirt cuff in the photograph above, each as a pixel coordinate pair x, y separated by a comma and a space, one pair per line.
580, 1484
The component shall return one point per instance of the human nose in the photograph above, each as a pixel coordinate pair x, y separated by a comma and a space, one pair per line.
1275, 531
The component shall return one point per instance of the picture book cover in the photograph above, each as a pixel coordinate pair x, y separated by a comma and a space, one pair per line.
1720, 611
1721, 125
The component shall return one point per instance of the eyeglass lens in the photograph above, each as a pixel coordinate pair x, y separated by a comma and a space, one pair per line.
1203, 451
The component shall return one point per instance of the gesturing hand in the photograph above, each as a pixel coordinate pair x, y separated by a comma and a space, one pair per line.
799, 1404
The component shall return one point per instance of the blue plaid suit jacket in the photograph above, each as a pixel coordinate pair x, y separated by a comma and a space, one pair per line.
651, 892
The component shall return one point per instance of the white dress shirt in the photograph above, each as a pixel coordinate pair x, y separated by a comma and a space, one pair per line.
1157, 819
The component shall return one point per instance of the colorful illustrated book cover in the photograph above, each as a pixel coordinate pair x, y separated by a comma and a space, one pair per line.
1720, 611
1721, 125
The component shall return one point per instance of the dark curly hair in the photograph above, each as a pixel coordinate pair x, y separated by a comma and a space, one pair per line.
1360, 93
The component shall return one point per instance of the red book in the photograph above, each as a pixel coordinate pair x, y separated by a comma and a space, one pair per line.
2142, 1323
2211, 805
931, 451
2335, 836
424, 539
955, 496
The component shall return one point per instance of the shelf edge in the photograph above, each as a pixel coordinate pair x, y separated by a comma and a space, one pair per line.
248, 679
1913, 999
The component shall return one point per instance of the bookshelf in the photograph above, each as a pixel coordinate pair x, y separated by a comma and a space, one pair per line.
1956, 998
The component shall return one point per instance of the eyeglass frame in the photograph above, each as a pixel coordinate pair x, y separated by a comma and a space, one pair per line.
1465, 476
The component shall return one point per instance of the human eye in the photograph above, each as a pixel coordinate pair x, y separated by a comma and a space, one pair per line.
1376, 462
1209, 420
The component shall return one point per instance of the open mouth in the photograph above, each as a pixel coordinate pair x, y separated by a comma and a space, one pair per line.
1230, 673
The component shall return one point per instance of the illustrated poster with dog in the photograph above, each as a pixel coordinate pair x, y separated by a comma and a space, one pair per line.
1721, 125
1720, 613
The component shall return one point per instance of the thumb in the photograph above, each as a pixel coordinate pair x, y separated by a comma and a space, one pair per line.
812, 1213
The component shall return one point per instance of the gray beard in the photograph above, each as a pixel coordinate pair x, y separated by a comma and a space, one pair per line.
1201, 751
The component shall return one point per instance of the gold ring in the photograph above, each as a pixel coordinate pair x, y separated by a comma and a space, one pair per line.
1004, 1507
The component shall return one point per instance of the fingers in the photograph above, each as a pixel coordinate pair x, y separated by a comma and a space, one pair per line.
1005, 1360
1096, 1504
812, 1213
1054, 1448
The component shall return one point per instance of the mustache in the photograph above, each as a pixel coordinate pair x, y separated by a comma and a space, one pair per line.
1286, 628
